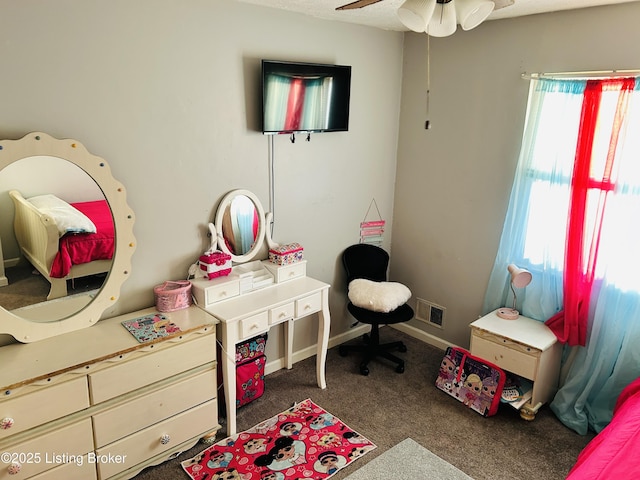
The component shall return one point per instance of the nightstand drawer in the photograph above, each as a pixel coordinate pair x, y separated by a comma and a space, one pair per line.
506, 355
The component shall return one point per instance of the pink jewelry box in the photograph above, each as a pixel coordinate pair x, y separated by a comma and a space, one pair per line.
216, 264
286, 254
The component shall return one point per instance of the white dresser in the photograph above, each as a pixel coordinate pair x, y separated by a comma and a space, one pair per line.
98, 404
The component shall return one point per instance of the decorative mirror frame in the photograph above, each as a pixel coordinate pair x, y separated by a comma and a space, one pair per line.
257, 245
41, 144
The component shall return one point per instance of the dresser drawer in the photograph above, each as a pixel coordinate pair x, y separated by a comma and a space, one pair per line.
137, 414
308, 305
147, 443
507, 355
254, 325
83, 469
281, 314
153, 366
27, 411
48, 451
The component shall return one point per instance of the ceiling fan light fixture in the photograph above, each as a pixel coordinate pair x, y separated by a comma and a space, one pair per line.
443, 22
472, 13
415, 14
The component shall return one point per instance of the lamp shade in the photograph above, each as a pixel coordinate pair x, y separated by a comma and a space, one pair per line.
472, 13
520, 277
443, 22
415, 14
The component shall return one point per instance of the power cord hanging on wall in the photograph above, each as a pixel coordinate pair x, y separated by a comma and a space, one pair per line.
427, 123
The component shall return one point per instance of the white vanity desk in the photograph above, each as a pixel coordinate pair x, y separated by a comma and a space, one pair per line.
257, 294
250, 314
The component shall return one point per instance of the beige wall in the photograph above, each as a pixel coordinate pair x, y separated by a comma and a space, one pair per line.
454, 180
167, 92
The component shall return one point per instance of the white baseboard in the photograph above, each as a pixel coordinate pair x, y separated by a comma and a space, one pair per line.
425, 337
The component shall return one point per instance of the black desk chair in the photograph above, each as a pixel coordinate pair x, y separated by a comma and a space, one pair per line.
364, 261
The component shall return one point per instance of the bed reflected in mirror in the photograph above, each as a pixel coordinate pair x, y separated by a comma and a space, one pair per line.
58, 235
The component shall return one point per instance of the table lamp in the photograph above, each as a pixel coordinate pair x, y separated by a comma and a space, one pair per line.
519, 278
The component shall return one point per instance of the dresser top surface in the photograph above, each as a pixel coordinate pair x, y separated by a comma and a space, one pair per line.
25, 363
522, 330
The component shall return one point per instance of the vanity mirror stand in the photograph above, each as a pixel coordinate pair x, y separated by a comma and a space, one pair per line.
95, 403
275, 295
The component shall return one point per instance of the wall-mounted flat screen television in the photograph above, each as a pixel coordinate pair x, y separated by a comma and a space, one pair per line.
305, 97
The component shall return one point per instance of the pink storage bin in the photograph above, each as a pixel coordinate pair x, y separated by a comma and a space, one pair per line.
173, 295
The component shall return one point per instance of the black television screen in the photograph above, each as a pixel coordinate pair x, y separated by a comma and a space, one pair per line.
305, 97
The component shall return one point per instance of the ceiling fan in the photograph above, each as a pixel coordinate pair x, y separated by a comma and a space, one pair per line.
439, 18
366, 3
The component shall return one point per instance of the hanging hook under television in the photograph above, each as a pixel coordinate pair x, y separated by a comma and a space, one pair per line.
308, 136
293, 138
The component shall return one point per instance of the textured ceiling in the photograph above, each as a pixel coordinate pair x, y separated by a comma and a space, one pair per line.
383, 14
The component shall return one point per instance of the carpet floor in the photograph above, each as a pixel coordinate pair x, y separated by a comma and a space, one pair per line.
388, 408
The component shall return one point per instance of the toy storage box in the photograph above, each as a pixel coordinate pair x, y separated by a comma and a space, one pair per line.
286, 254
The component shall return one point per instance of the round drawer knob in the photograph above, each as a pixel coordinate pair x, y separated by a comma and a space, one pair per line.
6, 423
14, 468
164, 439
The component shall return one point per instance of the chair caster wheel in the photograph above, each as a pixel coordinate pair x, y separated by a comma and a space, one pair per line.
364, 370
402, 348
400, 369
342, 351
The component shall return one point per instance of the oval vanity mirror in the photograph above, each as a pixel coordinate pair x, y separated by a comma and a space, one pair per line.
240, 225
68, 225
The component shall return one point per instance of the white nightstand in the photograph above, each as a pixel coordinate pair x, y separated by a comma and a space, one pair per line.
525, 347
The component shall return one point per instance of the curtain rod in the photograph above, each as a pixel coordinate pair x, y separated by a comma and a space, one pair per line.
583, 75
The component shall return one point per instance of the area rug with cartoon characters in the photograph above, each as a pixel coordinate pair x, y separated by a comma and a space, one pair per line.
304, 442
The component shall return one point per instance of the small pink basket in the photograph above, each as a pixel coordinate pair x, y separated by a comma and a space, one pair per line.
173, 295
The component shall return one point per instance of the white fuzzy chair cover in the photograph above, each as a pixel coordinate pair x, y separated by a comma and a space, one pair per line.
378, 296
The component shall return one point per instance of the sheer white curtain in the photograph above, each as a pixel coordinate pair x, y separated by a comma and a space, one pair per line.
534, 236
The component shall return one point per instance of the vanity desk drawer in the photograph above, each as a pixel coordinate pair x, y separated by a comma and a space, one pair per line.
281, 314
308, 305
282, 273
208, 292
25, 412
253, 325
48, 451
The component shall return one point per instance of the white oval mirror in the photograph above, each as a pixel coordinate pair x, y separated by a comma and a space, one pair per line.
63, 312
240, 224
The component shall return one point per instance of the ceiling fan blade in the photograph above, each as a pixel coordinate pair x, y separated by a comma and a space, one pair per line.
358, 4
503, 3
